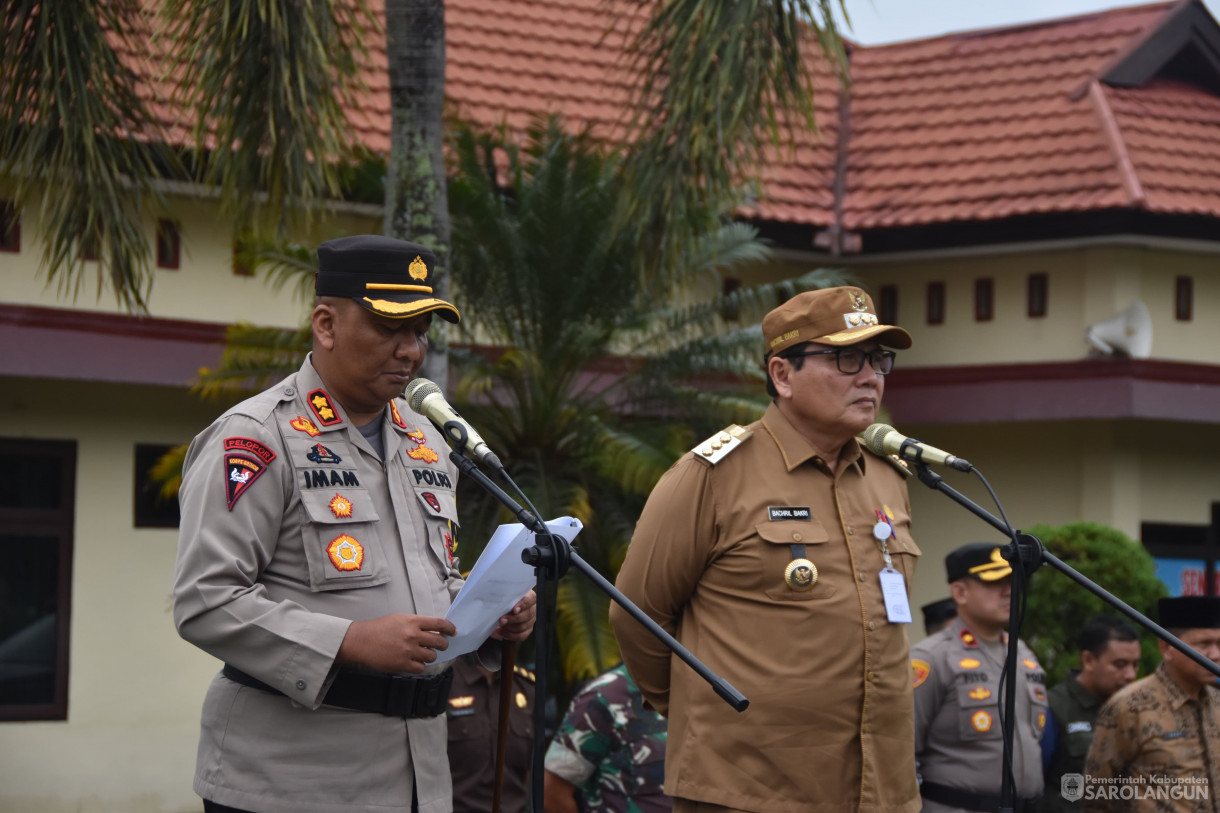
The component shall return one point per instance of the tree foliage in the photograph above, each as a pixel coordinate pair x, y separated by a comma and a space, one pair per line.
1058, 607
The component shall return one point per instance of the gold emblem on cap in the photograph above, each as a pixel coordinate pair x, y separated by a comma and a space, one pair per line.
418, 269
858, 302
800, 574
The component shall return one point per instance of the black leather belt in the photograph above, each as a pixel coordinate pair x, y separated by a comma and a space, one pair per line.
406, 696
982, 802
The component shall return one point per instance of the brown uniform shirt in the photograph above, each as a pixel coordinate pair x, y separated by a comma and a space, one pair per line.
1154, 743
958, 734
829, 728
474, 718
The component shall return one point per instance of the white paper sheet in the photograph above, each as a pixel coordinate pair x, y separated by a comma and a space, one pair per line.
498, 580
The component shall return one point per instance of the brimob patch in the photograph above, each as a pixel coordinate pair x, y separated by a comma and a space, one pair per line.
322, 407
345, 553
240, 473
239, 444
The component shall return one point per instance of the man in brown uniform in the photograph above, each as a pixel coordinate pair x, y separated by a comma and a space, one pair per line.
1157, 743
315, 560
474, 726
958, 739
764, 552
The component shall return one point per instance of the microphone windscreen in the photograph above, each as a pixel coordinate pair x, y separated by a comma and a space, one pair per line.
418, 390
874, 437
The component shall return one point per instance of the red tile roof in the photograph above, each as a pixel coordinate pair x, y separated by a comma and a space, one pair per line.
973, 126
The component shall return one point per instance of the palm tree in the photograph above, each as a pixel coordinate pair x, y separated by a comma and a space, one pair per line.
261, 85
597, 383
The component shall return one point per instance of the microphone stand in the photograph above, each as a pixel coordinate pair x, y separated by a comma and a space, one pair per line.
551, 556
1026, 554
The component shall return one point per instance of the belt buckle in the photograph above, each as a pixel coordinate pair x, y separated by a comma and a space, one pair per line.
400, 696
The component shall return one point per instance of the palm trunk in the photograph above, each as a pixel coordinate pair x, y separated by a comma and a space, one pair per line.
417, 203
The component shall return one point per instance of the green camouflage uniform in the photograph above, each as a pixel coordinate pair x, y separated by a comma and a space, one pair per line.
612, 748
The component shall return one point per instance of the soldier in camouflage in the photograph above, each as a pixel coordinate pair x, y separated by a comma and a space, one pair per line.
609, 752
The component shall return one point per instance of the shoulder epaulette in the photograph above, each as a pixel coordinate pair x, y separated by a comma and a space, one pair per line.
525, 673
715, 448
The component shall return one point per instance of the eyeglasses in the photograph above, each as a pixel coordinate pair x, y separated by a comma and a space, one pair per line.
851, 359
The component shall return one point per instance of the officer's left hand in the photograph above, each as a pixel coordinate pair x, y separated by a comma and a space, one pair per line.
519, 623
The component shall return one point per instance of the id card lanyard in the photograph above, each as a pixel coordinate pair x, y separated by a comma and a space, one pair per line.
893, 586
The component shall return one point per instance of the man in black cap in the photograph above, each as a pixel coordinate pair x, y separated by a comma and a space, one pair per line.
316, 559
937, 615
956, 672
1157, 744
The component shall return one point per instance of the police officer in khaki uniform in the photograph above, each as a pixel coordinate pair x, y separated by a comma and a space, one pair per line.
474, 731
958, 739
315, 558
764, 551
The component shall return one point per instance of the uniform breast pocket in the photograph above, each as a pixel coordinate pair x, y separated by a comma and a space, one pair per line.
341, 539
978, 712
440, 517
905, 552
784, 576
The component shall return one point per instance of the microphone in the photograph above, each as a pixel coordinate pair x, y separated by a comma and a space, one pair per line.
883, 439
426, 398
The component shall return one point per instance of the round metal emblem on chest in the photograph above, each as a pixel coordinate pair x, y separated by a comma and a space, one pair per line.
801, 574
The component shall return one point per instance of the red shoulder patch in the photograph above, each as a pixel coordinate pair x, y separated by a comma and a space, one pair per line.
398, 421
252, 446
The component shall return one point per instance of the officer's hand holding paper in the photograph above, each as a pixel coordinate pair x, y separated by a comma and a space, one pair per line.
495, 584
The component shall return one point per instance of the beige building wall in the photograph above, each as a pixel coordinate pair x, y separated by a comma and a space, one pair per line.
134, 687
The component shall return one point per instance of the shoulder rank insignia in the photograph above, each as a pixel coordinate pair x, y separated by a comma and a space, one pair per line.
919, 672
398, 421
525, 673
322, 408
715, 448
968, 638
900, 464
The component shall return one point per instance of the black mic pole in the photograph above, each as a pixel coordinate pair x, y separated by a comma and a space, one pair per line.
1026, 553
550, 557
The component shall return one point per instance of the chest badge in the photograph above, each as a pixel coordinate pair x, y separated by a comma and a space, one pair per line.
345, 553
341, 506
979, 693
1030, 663
320, 454
981, 721
801, 574
303, 424
969, 663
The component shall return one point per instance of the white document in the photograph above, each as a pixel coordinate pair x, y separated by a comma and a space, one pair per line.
495, 584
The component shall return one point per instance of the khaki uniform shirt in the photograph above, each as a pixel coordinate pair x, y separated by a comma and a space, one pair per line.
1155, 749
958, 733
1074, 712
474, 727
828, 728
291, 529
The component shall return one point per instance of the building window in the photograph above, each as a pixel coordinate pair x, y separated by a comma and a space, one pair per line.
887, 304
1035, 300
1184, 299
36, 516
984, 300
10, 227
936, 303
169, 245
151, 510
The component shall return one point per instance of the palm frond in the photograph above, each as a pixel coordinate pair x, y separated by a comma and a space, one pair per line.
167, 471
267, 81
78, 142
583, 628
254, 358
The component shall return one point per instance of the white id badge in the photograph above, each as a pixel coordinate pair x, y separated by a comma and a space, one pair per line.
894, 589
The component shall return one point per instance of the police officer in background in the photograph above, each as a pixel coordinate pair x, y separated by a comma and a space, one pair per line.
474, 734
1109, 659
315, 560
937, 615
958, 740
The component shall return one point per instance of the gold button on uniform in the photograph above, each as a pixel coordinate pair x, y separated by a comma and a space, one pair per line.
860, 577
872, 625
796, 537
